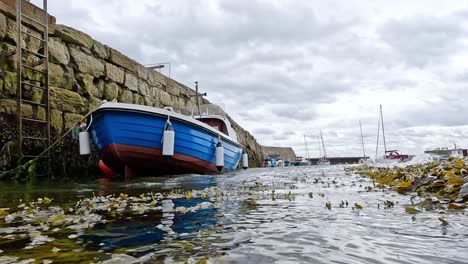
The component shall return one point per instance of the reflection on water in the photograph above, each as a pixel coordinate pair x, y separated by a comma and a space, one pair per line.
287, 215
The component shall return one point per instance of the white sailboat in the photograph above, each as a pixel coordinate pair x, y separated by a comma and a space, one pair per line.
323, 161
364, 159
389, 155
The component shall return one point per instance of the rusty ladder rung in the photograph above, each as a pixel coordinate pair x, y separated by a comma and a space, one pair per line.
34, 120
33, 85
31, 35
32, 102
34, 69
33, 20
35, 138
35, 156
34, 53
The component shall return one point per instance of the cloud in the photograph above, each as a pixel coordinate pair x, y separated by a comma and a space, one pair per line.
424, 40
288, 68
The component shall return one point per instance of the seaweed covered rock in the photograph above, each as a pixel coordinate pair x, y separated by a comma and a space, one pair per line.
445, 180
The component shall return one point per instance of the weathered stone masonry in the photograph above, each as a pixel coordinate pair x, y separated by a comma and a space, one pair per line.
82, 73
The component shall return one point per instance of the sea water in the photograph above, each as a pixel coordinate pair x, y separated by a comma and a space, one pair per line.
270, 215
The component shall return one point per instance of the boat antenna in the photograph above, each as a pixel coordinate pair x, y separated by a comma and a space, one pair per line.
323, 145
362, 139
383, 130
197, 95
198, 100
377, 144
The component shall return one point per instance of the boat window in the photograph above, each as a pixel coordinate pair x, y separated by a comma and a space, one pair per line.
215, 123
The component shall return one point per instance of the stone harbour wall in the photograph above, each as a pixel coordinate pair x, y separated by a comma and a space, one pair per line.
82, 73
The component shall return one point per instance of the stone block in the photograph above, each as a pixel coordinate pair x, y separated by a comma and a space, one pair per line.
65, 100
71, 35
40, 113
148, 101
138, 99
3, 26
156, 79
10, 84
143, 87
61, 76
100, 50
71, 119
10, 33
114, 73
126, 96
165, 99
111, 91
32, 93
87, 86
33, 43
121, 60
87, 63
58, 51
56, 120
172, 88
7, 57
142, 72
93, 103
131, 82
8, 106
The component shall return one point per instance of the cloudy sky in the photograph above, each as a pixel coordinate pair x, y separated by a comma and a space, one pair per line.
285, 69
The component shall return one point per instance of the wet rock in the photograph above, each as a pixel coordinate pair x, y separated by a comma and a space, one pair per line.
71, 35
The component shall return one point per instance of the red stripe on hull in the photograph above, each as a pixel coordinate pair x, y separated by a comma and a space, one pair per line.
150, 162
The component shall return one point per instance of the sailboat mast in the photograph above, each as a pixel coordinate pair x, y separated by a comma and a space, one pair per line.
323, 145
383, 130
362, 139
306, 154
319, 145
377, 144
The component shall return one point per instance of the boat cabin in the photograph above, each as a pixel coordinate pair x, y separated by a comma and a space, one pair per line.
214, 116
393, 154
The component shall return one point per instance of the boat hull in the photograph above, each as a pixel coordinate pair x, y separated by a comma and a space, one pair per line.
133, 139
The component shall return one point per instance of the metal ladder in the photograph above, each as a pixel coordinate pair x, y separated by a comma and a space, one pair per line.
22, 53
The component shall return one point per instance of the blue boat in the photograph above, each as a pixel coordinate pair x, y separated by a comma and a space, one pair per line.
142, 140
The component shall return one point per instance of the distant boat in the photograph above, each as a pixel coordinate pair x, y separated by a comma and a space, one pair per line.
364, 159
136, 140
389, 155
323, 161
455, 152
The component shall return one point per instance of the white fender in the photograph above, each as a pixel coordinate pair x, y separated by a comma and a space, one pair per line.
85, 146
245, 160
219, 156
168, 140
